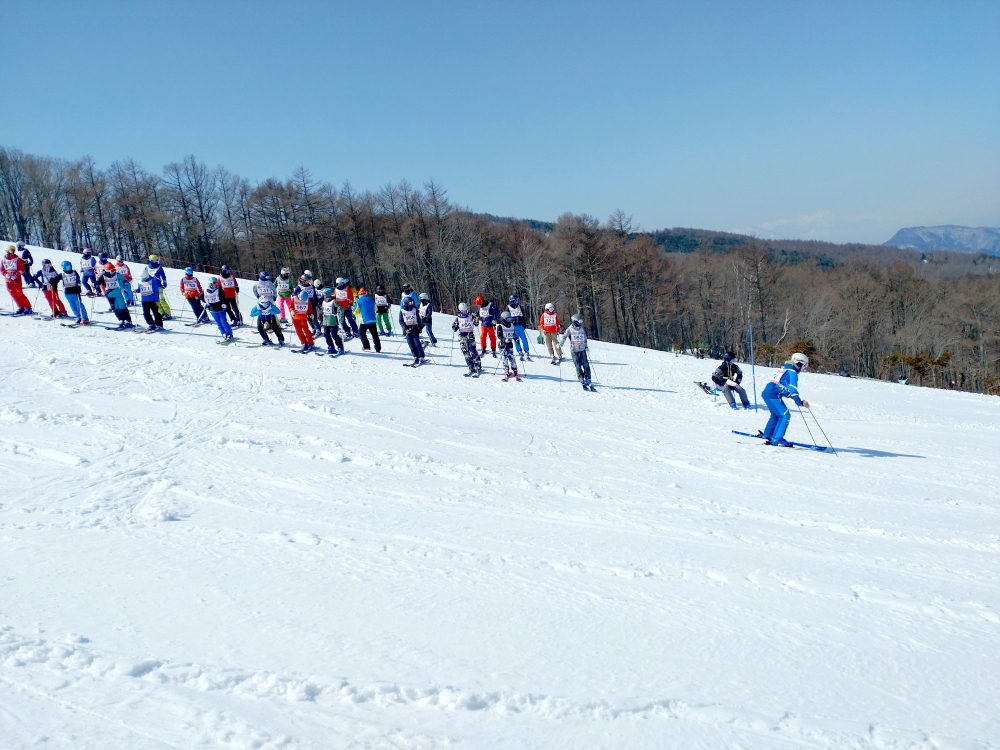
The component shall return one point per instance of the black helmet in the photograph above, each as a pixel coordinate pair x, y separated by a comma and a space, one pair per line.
728, 357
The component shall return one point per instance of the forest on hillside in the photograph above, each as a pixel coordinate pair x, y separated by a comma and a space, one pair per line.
861, 310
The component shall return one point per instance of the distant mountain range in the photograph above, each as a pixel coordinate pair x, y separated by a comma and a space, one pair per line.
954, 238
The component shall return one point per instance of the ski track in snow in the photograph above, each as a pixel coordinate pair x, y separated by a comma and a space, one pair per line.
206, 546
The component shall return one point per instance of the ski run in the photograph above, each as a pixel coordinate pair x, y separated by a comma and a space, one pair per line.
231, 547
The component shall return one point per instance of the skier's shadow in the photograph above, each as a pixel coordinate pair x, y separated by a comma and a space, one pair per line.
872, 453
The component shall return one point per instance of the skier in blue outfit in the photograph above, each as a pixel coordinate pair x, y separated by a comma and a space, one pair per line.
364, 306
149, 289
217, 308
784, 384
267, 314
72, 288
114, 285
157, 271
88, 269
517, 320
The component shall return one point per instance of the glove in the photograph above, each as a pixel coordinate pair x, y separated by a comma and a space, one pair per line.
731, 384
805, 404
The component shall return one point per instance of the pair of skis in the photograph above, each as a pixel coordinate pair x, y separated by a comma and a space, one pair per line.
806, 446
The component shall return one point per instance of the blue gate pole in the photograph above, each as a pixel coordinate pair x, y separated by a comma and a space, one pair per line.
753, 369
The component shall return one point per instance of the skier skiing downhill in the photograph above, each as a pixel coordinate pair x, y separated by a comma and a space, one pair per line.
114, 289
465, 325
426, 311
283, 284
345, 299
487, 324
507, 337
578, 350
191, 289
72, 289
267, 317
126, 273
784, 384
550, 326
231, 295
517, 320
728, 377
382, 304
150, 287
13, 274
409, 321
215, 300
364, 306
156, 271
88, 269
301, 311
264, 288
331, 322
48, 279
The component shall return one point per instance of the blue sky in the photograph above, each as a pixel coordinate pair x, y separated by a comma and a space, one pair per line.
840, 121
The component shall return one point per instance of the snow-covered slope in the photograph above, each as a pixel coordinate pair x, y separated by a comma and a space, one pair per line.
231, 548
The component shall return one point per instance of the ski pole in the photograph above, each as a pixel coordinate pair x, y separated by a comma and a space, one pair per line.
799, 410
823, 431
398, 347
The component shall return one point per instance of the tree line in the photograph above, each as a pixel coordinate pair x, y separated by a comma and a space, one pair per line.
883, 314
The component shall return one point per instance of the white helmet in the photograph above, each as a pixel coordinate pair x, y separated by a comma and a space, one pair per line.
307, 273
340, 280
462, 307
550, 307
801, 360
318, 284
286, 271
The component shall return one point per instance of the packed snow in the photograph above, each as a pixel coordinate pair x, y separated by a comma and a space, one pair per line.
223, 547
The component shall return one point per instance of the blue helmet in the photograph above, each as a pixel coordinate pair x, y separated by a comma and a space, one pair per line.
189, 271
514, 300
408, 303
67, 266
264, 275
304, 295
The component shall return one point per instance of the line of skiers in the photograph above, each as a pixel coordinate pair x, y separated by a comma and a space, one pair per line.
784, 384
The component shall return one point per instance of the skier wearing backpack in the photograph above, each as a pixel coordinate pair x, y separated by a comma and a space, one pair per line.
784, 384
409, 321
465, 326
364, 306
382, 305
331, 322
550, 326
507, 337
72, 288
487, 324
728, 377
267, 314
231, 295
48, 279
426, 310
150, 288
13, 274
285, 286
517, 320
578, 350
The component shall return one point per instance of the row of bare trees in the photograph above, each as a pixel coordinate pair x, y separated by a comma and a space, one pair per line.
858, 316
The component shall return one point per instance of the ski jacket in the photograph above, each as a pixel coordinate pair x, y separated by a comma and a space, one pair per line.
48, 277
265, 289
156, 271
488, 315
329, 308
190, 286
13, 268
549, 322
784, 384
301, 308
411, 295
230, 287
87, 265
150, 289
577, 338
516, 315
284, 285
71, 282
382, 303
344, 296
506, 336
114, 286
409, 320
264, 309
365, 307
124, 270
727, 371
214, 297
426, 311
464, 324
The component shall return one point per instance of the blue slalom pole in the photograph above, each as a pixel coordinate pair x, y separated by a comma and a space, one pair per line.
753, 369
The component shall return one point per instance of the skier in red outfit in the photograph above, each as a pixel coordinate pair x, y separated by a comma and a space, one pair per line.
13, 272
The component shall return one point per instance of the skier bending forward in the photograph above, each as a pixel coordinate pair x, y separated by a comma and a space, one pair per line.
784, 384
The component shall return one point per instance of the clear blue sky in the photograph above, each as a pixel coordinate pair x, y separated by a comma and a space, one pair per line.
842, 121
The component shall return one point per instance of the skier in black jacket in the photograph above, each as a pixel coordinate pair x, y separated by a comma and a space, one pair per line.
728, 377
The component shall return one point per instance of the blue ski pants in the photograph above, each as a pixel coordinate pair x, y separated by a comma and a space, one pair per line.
89, 281
429, 331
521, 339
77, 307
780, 417
220, 320
416, 348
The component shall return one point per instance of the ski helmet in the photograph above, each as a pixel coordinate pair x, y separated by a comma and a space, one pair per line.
264, 276
407, 288
224, 270
189, 271
328, 292
145, 273
480, 300
153, 258
462, 307
347, 280
800, 360
86, 250
304, 295
408, 303
514, 300
103, 259
46, 262
380, 289
505, 316
362, 291
576, 320
342, 283
550, 307
728, 357
67, 266
118, 259
109, 269
213, 280
425, 297
308, 273
318, 284
340, 280
20, 243
285, 271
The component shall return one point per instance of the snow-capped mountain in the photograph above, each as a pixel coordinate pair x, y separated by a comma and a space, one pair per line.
948, 237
